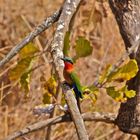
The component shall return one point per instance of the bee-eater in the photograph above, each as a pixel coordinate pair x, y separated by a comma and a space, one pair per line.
72, 79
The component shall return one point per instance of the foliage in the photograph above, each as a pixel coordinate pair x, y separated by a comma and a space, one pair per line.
82, 47
21, 72
49, 89
66, 44
91, 93
120, 75
24, 81
115, 94
125, 72
109, 76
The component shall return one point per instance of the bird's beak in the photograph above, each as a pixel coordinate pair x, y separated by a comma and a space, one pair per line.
62, 59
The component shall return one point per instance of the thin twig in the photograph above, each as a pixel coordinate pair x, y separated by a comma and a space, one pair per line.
53, 114
39, 29
90, 116
115, 67
36, 39
104, 58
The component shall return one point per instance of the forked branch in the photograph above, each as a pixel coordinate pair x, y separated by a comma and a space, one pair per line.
39, 29
90, 116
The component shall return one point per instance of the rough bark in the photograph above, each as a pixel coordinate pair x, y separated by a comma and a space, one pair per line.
90, 116
75, 114
69, 9
127, 14
38, 30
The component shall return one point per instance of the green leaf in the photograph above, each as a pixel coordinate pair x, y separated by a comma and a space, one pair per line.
121, 94
82, 47
130, 93
104, 76
66, 44
92, 97
24, 81
91, 89
91, 93
24, 63
22, 67
49, 90
47, 98
125, 72
63, 101
51, 85
112, 92
28, 51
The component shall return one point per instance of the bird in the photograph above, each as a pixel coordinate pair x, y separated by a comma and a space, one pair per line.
72, 79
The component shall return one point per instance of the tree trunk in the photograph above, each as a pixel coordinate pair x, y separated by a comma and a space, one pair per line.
127, 14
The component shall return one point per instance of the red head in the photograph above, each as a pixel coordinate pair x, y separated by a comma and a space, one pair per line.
68, 64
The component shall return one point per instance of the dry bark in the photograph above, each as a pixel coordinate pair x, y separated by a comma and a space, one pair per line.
90, 116
127, 14
38, 30
69, 9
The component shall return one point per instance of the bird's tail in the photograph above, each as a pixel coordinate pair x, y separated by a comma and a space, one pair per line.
78, 102
78, 95
77, 92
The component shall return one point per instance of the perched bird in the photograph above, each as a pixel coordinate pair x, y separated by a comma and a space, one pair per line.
72, 79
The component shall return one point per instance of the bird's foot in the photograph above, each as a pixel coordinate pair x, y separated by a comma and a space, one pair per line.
65, 85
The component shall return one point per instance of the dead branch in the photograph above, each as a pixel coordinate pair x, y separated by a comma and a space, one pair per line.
75, 114
68, 11
134, 47
39, 29
90, 116
69, 8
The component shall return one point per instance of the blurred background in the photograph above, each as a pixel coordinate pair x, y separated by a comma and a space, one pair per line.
95, 21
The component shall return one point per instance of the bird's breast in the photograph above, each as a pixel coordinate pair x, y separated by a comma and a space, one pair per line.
67, 77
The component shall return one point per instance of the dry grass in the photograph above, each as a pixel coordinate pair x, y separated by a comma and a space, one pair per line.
15, 109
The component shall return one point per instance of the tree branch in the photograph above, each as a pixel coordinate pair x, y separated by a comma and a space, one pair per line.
127, 15
75, 114
39, 29
69, 9
90, 116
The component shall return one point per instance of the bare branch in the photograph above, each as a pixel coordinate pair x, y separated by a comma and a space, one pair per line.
68, 11
75, 114
39, 29
90, 116
100, 117
129, 51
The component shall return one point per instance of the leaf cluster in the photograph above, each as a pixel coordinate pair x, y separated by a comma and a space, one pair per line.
22, 71
113, 80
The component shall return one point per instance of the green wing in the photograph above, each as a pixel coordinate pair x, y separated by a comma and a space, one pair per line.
75, 79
